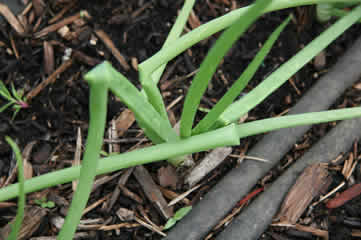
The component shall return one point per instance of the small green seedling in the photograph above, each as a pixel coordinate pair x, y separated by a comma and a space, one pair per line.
177, 216
15, 98
44, 203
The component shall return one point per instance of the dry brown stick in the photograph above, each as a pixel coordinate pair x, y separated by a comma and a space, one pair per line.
13, 46
120, 225
294, 86
130, 194
51, 79
56, 26
183, 195
110, 45
62, 12
122, 181
12, 20
152, 191
103, 180
95, 204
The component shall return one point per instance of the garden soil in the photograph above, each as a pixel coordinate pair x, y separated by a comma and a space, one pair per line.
47, 130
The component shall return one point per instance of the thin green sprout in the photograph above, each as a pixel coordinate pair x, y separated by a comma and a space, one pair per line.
286, 70
240, 84
210, 63
98, 108
150, 80
21, 190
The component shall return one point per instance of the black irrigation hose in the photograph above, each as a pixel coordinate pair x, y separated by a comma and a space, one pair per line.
238, 182
255, 219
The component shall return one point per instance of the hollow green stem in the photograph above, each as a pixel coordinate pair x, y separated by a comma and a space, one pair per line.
21, 190
98, 109
174, 34
271, 124
226, 136
210, 63
157, 129
150, 79
240, 84
283, 73
216, 25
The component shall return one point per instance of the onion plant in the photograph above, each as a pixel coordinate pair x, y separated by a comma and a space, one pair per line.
14, 98
218, 128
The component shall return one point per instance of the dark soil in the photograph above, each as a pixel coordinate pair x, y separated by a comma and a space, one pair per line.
138, 30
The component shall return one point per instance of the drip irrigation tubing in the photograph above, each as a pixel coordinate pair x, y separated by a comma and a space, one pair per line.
239, 181
255, 219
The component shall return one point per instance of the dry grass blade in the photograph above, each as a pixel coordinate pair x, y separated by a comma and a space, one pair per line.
150, 227
118, 226
11, 19
172, 195
96, 204
183, 195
